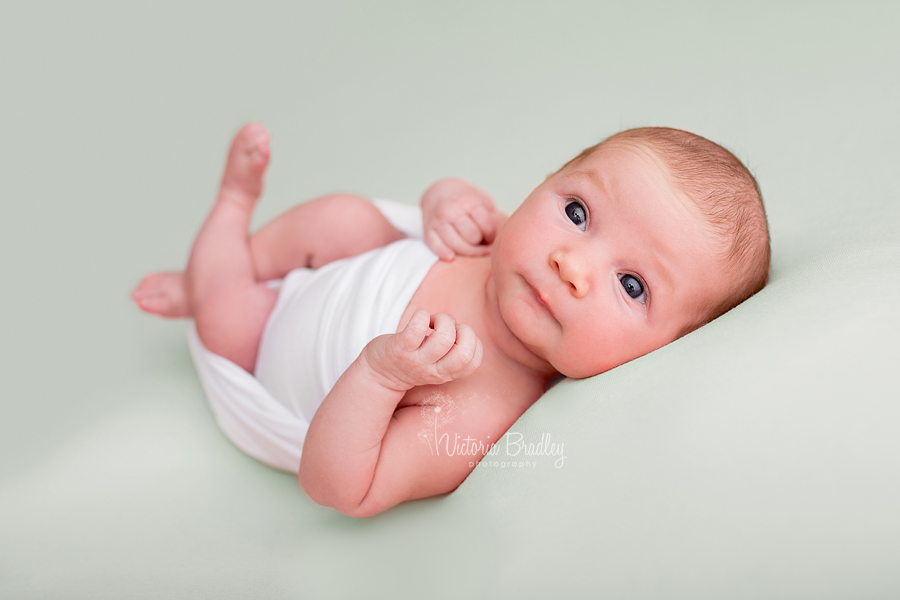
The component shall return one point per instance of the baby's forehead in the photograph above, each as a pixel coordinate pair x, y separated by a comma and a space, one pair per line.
633, 161
625, 170
633, 156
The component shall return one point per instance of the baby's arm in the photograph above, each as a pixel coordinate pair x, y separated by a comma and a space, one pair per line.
362, 455
459, 218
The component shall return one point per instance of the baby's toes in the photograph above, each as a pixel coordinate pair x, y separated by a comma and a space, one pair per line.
246, 164
253, 140
152, 302
162, 294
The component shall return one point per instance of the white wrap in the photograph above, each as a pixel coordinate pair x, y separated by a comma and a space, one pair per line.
323, 319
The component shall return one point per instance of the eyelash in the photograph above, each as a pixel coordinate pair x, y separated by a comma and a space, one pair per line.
646, 292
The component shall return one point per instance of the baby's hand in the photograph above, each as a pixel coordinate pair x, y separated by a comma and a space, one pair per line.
413, 357
458, 219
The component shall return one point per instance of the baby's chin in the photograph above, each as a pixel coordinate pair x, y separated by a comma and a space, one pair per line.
577, 373
580, 369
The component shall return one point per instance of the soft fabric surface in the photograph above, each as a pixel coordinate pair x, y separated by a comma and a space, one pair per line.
756, 457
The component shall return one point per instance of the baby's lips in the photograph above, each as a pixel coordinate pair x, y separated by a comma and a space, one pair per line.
542, 301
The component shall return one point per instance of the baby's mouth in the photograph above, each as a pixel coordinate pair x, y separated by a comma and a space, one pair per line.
541, 300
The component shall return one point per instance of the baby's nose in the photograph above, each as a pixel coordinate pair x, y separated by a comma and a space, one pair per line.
572, 270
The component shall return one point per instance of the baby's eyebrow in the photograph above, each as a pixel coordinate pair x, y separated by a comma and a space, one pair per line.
662, 273
592, 177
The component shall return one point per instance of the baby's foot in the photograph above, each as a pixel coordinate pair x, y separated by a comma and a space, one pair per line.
163, 294
246, 165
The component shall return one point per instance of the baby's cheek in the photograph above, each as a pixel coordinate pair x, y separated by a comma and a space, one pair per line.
599, 350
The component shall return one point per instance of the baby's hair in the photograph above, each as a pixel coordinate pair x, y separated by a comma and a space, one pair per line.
727, 195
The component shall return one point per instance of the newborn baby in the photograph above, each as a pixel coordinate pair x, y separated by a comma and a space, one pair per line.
629, 246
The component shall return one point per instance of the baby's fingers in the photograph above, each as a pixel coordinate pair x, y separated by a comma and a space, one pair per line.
465, 356
438, 245
468, 230
460, 237
485, 223
415, 331
440, 340
453, 239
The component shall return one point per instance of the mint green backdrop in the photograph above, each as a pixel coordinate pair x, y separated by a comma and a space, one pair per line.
757, 457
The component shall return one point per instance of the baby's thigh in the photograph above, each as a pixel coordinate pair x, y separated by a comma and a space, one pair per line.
231, 324
318, 232
351, 225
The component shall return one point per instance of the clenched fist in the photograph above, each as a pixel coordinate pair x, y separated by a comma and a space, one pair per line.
431, 350
458, 218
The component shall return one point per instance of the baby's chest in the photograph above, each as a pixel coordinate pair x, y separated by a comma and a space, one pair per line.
452, 288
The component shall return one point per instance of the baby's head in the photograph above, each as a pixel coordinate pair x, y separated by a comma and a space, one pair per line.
632, 244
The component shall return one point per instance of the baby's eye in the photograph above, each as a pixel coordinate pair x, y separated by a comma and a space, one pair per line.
633, 287
577, 213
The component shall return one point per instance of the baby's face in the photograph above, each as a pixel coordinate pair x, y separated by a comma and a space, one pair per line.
604, 262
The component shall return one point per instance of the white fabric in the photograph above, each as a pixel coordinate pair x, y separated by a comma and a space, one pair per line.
405, 217
323, 319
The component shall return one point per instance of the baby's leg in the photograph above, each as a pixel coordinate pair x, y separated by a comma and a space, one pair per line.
308, 235
318, 232
229, 305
